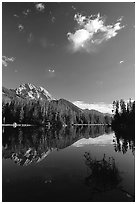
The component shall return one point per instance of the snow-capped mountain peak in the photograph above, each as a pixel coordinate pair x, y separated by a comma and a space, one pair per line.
33, 92
45, 92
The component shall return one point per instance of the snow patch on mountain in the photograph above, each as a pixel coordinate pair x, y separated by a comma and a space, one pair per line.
31, 86
45, 92
33, 92
30, 95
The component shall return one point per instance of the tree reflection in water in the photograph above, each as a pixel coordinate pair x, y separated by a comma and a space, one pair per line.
27, 145
124, 141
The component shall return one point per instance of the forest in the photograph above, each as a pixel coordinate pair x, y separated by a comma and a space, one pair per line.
124, 115
58, 113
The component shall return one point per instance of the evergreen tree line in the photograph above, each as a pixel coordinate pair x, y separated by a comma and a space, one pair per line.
124, 114
55, 112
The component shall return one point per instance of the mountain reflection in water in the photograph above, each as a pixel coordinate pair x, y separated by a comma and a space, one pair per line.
33, 164
27, 145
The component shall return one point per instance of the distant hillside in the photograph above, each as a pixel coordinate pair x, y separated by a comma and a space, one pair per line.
92, 111
70, 105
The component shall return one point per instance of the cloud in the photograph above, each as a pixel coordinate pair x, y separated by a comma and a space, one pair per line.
102, 107
6, 60
50, 73
40, 7
92, 31
121, 62
30, 38
26, 12
51, 70
20, 27
53, 19
73, 7
15, 15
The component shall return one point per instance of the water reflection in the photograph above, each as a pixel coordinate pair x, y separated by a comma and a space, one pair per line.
27, 145
104, 174
124, 141
65, 171
103, 177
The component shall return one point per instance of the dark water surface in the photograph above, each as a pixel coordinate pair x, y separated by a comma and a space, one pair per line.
49, 165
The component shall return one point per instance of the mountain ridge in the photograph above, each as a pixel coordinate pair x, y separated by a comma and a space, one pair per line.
30, 92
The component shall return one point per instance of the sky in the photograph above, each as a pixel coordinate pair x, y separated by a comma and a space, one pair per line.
83, 52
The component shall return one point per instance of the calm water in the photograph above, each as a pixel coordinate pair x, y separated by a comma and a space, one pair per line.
49, 165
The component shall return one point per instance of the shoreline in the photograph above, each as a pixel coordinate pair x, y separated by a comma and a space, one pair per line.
20, 125
28, 125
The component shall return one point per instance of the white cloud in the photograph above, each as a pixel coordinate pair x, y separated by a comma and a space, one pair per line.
26, 12
79, 38
73, 7
53, 19
6, 60
40, 7
102, 107
51, 70
92, 31
50, 73
20, 27
30, 38
15, 15
121, 62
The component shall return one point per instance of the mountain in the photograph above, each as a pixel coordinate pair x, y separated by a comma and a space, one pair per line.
26, 92
31, 91
29, 104
69, 105
9, 94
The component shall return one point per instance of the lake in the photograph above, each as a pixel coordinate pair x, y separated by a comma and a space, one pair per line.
71, 164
